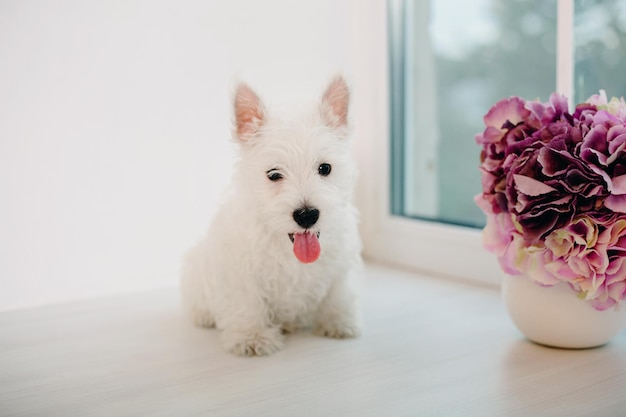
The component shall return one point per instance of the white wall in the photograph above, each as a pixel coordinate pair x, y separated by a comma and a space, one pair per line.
115, 128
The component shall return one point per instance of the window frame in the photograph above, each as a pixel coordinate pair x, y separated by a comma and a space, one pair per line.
427, 247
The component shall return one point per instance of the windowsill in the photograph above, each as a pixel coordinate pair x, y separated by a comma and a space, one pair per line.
430, 347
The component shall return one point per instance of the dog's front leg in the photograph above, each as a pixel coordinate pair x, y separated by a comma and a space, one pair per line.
250, 333
338, 314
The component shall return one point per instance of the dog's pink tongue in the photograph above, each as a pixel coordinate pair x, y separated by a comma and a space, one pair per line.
306, 247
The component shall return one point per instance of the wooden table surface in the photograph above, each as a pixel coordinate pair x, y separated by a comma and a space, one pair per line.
431, 347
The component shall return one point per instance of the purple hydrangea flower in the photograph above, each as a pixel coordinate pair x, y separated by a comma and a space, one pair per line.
554, 192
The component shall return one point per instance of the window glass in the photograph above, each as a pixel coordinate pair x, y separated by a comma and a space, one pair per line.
450, 62
599, 48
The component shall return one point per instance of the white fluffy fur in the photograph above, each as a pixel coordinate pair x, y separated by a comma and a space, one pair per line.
243, 277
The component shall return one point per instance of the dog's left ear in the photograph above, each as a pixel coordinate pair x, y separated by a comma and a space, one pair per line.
334, 107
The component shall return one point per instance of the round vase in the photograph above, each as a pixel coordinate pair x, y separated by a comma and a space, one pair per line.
554, 316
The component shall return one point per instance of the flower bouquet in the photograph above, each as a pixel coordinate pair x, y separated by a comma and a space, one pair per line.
554, 192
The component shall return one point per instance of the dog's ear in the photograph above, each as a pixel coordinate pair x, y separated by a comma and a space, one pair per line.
335, 102
249, 113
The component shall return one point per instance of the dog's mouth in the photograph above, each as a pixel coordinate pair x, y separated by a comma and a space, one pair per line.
306, 246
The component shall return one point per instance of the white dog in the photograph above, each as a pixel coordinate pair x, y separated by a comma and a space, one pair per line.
282, 251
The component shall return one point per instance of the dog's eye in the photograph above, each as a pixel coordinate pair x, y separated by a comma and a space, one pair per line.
274, 175
324, 169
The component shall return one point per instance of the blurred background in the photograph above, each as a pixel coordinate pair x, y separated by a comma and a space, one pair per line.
451, 61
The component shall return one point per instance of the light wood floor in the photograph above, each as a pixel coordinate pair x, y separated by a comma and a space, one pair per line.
430, 348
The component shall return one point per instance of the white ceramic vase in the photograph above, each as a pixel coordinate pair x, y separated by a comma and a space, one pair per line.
555, 316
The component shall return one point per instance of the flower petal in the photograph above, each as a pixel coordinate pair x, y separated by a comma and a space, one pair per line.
616, 202
618, 185
531, 186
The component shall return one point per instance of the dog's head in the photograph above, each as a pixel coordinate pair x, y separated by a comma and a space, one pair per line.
298, 172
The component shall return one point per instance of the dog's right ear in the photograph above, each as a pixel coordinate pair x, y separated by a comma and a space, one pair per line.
335, 103
249, 113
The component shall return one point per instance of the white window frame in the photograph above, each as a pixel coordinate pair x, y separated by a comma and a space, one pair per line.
436, 249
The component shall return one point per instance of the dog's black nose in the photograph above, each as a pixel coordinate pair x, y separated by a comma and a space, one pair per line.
306, 217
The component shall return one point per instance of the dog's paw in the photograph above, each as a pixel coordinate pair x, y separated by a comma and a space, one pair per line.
338, 329
255, 343
202, 318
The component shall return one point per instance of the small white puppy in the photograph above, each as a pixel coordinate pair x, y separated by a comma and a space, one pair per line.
282, 252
